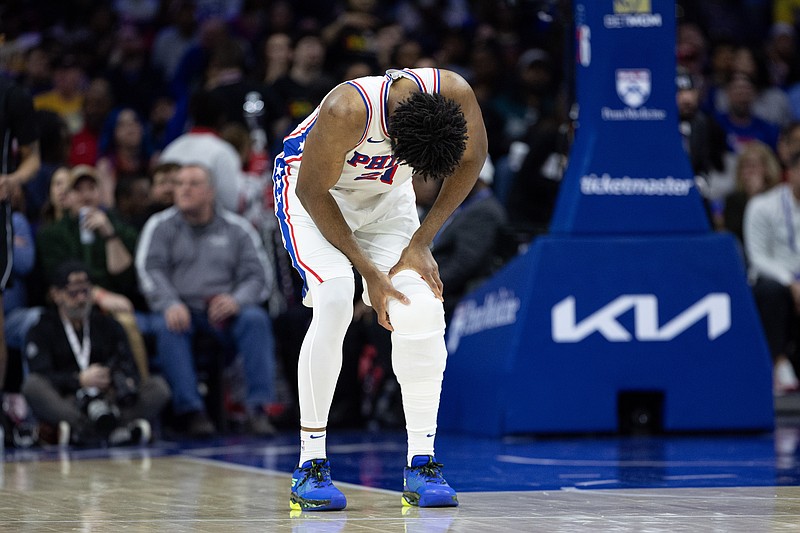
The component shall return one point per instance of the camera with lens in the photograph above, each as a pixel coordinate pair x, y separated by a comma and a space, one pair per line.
125, 391
101, 413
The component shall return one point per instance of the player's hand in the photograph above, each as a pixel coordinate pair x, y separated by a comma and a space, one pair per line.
178, 318
420, 260
380, 290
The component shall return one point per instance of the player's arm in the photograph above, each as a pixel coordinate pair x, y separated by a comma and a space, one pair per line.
340, 125
25, 130
455, 187
29, 164
23, 124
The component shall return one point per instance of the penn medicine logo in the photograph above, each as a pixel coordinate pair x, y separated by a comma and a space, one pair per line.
633, 86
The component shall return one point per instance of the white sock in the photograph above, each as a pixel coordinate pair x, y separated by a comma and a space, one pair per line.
312, 445
420, 443
420, 402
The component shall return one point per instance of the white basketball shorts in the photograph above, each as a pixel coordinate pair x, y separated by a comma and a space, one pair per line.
382, 225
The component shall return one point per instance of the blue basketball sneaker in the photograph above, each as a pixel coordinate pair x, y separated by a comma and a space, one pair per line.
312, 489
424, 486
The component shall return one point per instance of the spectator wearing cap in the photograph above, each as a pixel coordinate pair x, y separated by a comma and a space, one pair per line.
97, 237
76, 351
66, 96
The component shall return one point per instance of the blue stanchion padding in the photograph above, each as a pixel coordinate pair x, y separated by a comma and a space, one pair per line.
548, 344
628, 172
631, 292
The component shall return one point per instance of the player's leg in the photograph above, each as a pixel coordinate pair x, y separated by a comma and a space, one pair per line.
318, 371
321, 360
328, 288
418, 359
418, 352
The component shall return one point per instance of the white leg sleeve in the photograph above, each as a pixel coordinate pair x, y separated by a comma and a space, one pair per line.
321, 353
418, 357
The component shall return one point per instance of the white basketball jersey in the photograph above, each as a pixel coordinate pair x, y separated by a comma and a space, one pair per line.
374, 192
370, 168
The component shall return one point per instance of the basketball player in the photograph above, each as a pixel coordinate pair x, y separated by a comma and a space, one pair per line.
344, 199
19, 161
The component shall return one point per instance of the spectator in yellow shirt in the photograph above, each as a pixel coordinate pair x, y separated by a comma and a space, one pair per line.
66, 96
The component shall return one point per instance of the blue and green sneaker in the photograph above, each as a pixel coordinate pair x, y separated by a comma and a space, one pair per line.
312, 489
424, 486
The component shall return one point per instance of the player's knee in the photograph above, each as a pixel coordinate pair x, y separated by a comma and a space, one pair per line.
333, 301
334, 311
424, 315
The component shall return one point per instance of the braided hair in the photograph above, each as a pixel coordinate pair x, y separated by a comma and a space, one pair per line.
428, 133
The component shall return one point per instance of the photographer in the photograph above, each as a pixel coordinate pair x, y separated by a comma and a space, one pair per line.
83, 379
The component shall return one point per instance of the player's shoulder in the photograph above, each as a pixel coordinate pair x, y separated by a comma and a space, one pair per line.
344, 103
453, 80
454, 86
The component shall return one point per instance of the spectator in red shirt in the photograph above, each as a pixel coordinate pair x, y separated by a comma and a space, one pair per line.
97, 105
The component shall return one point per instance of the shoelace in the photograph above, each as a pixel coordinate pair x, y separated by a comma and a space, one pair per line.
318, 474
432, 470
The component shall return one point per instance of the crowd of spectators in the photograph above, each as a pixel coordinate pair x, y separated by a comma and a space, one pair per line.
123, 91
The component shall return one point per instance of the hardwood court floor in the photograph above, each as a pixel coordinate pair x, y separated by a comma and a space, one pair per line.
747, 483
